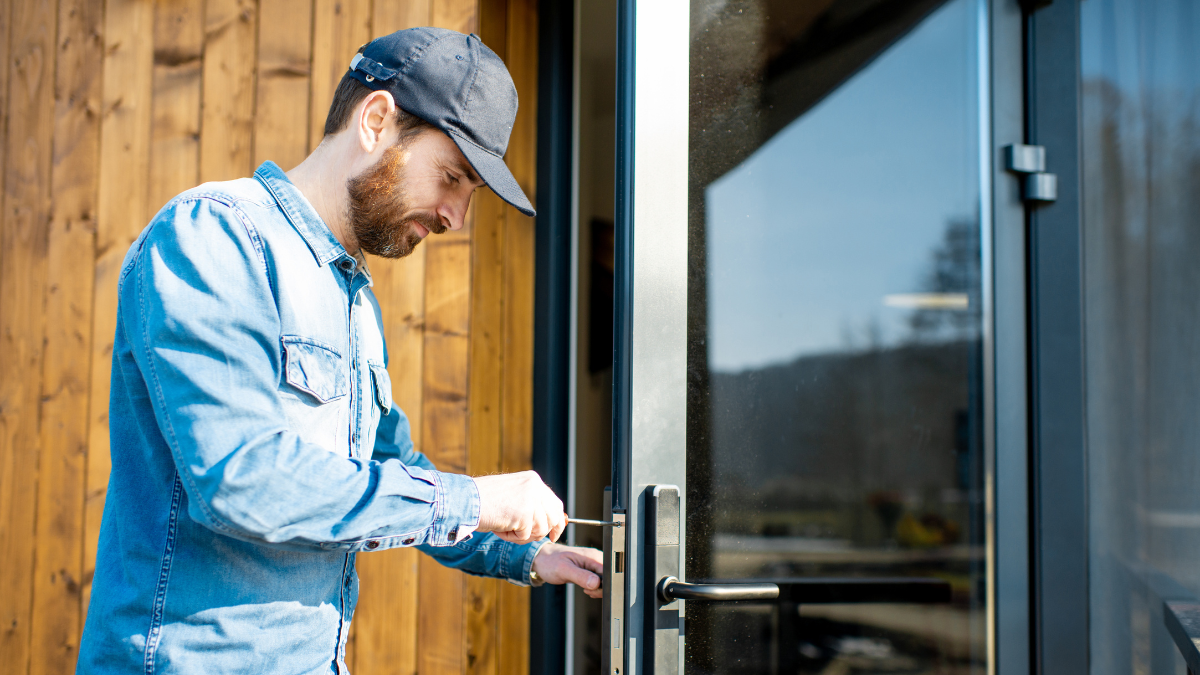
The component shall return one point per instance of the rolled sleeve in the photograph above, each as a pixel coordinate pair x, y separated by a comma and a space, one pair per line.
458, 507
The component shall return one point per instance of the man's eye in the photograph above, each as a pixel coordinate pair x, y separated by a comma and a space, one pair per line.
451, 177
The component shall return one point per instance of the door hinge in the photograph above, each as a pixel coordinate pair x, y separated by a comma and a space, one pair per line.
1030, 162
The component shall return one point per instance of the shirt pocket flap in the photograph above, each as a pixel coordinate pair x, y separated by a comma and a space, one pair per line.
314, 367
383, 387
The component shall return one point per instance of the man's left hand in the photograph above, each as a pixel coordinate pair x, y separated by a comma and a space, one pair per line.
559, 564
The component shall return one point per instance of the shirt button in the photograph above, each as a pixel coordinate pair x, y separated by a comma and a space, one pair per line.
409, 541
453, 534
372, 544
347, 265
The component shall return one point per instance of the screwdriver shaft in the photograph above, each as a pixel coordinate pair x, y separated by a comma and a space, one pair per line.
598, 523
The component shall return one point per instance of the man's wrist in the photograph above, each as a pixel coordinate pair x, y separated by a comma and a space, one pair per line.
536, 579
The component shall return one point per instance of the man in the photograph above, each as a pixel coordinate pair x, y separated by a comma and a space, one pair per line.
255, 445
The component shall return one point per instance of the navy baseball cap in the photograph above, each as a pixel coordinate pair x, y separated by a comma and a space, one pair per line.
454, 82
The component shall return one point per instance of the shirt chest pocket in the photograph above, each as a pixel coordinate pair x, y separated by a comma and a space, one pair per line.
314, 368
383, 387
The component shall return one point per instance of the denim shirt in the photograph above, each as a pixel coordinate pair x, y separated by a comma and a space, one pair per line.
256, 448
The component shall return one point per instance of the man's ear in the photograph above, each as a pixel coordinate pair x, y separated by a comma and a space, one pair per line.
373, 118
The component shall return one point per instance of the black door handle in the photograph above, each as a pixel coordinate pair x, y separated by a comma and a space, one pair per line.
670, 588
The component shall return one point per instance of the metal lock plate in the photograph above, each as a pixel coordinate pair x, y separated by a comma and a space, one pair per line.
612, 638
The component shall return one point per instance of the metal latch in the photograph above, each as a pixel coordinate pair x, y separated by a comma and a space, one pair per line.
612, 636
1030, 161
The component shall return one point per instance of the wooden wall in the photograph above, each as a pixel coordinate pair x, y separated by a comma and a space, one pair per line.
108, 108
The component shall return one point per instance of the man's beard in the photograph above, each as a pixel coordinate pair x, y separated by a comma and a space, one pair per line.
379, 214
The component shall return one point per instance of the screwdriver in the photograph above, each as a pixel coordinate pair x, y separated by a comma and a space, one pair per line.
598, 523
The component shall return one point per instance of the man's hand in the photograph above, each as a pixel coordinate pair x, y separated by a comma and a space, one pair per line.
519, 507
559, 564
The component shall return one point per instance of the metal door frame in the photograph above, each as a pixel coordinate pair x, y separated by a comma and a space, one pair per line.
650, 291
650, 341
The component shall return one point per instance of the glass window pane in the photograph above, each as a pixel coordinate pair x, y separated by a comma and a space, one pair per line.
1141, 171
835, 407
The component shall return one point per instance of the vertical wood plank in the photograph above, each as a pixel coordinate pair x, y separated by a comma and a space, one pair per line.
23, 244
389, 16
485, 407
175, 116
5, 40
284, 68
487, 367
459, 15
58, 571
447, 312
447, 316
124, 174
520, 56
227, 116
340, 28
385, 623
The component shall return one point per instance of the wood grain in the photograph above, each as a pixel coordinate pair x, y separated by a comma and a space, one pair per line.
175, 107
124, 174
520, 56
23, 246
227, 116
58, 569
459, 15
109, 108
444, 438
281, 98
483, 651
390, 16
342, 26
447, 322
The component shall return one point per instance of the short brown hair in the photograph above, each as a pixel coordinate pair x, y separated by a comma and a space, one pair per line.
349, 93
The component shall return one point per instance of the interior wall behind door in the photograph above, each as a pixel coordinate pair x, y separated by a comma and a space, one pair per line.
107, 110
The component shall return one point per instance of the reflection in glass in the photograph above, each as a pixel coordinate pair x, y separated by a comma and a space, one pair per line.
1141, 170
834, 328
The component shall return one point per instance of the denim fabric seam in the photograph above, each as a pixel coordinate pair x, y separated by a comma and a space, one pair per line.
356, 402
339, 645
299, 339
296, 220
439, 507
169, 429
164, 576
505, 556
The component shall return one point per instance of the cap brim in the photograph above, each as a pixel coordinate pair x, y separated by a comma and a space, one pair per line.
495, 173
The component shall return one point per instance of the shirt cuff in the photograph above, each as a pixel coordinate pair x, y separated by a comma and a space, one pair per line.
456, 509
519, 561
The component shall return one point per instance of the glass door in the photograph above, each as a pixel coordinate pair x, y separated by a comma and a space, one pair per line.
801, 391
835, 408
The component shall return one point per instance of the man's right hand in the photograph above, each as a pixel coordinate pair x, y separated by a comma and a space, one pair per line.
519, 507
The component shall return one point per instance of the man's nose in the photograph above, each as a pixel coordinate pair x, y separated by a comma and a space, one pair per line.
454, 213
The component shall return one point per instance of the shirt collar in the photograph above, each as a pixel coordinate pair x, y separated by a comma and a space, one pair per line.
324, 246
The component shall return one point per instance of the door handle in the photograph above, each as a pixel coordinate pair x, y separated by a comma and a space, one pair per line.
670, 588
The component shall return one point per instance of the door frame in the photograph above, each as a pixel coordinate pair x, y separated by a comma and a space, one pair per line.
650, 292
649, 386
